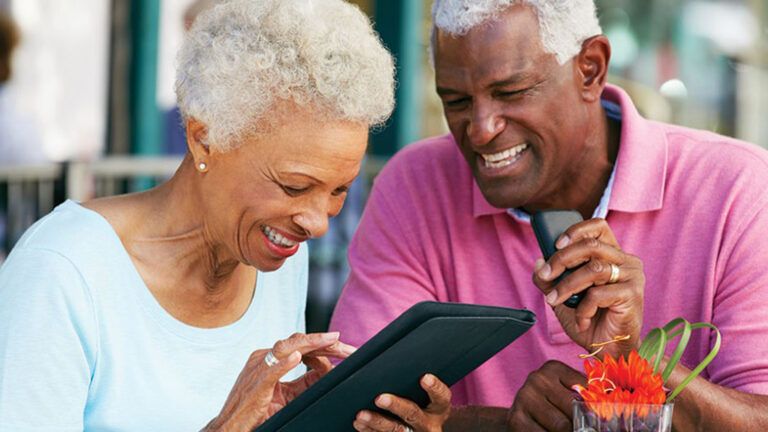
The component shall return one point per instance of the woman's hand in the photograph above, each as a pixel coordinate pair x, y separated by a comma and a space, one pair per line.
611, 307
258, 392
416, 419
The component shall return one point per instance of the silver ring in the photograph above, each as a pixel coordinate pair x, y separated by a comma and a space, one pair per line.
270, 359
615, 271
408, 428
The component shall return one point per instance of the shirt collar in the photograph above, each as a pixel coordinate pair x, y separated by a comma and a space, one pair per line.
601, 211
637, 180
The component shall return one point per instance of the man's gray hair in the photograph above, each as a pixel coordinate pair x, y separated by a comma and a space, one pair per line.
563, 24
242, 58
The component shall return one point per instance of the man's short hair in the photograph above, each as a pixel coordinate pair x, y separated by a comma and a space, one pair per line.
563, 24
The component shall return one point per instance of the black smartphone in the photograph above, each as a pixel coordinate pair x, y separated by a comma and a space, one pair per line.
548, 225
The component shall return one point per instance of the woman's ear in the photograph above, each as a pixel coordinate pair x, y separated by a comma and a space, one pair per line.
592, 66
197, 135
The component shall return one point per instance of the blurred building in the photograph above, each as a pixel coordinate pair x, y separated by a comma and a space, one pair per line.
707, 60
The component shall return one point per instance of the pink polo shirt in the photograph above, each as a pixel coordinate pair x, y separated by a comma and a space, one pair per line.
691, 204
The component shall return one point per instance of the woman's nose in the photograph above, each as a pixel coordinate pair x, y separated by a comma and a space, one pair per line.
314, 222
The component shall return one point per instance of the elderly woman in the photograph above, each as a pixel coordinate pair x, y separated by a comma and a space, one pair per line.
142, 312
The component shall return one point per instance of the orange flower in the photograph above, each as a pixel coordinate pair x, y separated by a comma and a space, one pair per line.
621, 388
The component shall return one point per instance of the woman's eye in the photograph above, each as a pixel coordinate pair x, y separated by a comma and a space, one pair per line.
293, 191
340, 191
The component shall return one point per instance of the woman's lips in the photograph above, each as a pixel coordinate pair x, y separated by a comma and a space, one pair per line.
278, 242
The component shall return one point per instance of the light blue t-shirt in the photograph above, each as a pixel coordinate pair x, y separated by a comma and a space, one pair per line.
85, 346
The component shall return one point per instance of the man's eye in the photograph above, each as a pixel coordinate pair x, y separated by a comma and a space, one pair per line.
512, 93
456, 103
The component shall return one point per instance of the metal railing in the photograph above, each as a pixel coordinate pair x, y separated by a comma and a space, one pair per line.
29, 192
117, 174
26, 193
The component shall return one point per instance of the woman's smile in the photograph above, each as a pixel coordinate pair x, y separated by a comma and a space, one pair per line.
279, 243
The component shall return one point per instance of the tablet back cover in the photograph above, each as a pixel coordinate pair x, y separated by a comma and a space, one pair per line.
448, 340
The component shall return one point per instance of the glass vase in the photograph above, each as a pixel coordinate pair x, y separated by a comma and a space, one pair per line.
611, 417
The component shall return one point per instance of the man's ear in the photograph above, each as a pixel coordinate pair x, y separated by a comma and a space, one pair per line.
197, 134
592, 66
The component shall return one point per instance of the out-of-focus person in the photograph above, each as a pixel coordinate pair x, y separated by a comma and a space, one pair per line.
174, 134
20, 141
182, 307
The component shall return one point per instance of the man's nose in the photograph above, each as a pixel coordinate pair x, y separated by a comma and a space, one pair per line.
484, 126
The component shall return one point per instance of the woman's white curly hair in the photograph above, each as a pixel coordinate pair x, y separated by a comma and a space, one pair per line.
243, 57
563, 24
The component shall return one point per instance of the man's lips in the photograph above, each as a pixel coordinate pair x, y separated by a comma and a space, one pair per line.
504, 157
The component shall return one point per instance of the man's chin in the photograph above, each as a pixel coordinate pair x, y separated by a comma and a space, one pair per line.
497, 192
502, 201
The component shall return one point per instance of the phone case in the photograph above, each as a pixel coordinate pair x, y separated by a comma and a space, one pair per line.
548, 225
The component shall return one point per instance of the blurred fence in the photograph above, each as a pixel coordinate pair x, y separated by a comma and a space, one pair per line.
26, 193
29, 192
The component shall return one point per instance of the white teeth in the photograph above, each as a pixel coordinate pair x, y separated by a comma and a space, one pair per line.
498, 164
276, 238
503, 158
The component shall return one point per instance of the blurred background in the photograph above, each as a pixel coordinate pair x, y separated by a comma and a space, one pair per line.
88, 107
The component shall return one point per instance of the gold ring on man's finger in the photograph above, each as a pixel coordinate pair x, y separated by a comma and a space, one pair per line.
615, 273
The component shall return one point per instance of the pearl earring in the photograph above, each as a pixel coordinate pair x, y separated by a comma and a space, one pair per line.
202, 167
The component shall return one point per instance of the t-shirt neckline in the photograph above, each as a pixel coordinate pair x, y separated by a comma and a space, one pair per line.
229, 333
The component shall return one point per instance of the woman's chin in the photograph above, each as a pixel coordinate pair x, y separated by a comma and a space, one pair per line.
265, 264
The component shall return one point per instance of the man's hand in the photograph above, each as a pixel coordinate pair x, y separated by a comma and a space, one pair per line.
545, 402
609, 308
416, 419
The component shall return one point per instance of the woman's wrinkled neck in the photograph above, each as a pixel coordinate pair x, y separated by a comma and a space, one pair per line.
182, 232
191, 272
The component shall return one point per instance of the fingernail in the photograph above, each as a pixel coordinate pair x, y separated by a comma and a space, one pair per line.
333, 336
537, 265
295, 356
545, 271
383, 401
552, 297
564, 241
348, 349
429, 380
364, 416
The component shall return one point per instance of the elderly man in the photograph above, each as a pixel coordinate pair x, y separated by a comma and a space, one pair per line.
680, 213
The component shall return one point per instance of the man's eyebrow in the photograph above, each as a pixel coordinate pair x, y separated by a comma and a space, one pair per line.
514, 79
443, 91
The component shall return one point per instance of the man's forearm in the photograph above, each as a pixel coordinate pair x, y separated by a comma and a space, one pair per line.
706, 406
476, 418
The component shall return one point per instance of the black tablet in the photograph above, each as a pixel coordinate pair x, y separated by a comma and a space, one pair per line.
448, 340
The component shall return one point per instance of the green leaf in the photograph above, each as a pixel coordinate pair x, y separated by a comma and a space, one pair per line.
681, 344
648, 346
704, 363
655, 343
